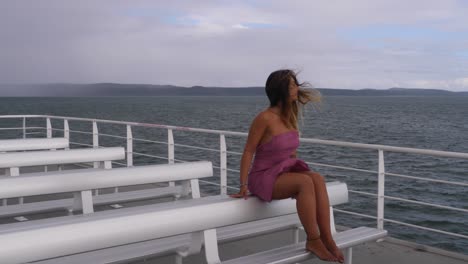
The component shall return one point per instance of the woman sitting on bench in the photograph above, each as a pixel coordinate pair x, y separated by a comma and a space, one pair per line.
276, 172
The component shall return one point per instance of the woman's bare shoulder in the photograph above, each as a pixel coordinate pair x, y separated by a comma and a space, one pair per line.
263, 117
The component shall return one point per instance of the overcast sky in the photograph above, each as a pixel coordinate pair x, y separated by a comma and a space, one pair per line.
335, 44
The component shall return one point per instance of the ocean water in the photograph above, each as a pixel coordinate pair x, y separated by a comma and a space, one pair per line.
439, 123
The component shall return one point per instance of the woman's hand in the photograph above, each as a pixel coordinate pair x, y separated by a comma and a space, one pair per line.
242, 193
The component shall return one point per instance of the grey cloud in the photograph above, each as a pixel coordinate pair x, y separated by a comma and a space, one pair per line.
100, 41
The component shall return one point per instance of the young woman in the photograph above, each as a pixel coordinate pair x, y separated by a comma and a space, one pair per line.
276, 173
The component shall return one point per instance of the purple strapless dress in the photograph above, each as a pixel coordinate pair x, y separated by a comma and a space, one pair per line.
272, 159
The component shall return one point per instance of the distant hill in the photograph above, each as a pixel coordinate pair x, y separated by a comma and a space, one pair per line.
115, 89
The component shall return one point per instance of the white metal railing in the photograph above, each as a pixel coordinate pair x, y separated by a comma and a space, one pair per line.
381, 149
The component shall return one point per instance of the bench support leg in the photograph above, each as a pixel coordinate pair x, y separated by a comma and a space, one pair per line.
83, 200
211, 247
178, 259
296, 235
14, 171
348, 255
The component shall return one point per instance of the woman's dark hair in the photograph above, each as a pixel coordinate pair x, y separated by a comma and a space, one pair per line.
277, 90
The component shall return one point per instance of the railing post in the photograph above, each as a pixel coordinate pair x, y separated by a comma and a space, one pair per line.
49, 135
66, 130
95, 140
24, 127
49, 128
381, 191
129, 146
170, 150
223, 164
95, 145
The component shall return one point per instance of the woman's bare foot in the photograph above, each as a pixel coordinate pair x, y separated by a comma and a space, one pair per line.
316, 246
336, 251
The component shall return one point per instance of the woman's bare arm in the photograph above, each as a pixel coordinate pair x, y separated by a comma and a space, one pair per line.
256, 132
257, 129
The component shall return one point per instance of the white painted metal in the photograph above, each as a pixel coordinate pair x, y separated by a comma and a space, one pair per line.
381, 192
33, 144
36, 158
24, 127
49, 128
170, 150
211, 246
83, 200
87, 180
30, 245
349, 255
243, 134
129, 146
66, 130
296, 234
332, 221
95, 143
12, 171
223, 164
313, 141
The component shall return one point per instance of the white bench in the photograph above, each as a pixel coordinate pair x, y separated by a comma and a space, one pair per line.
199, 217
81, 182
170, 245
33, 144
13, 161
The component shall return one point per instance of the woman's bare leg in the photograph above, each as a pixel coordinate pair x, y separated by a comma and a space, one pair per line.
302, 187
323, 213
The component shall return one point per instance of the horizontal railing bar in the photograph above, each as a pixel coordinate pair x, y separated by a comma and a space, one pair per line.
208, 182
211, 131
387, 148
182, 160
21, 116
340, 167
113, 136
354, 213
81, 132
151, 141
233, 170
233, 152
116, 162
194, 147
363, 193
426, 228
148, 155
428, 204
217, 184
243, 134
81, 144
426, 179
34, 133
11, 128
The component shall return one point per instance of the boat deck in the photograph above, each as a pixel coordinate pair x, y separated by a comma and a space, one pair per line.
389, 251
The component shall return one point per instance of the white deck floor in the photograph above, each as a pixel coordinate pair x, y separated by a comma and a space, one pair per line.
385, 252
